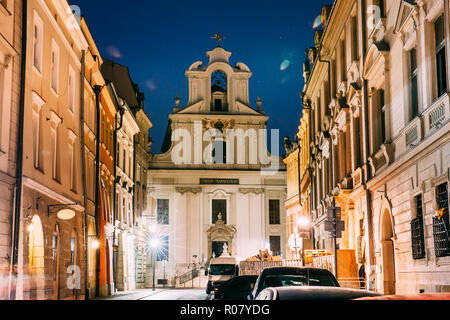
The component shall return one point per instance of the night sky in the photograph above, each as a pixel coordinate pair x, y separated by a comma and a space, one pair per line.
159, 40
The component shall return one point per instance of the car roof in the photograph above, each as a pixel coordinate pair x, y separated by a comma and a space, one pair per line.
321, 293
423, 296
283, 270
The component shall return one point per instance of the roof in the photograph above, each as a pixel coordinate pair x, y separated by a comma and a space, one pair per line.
120, 76
321, 293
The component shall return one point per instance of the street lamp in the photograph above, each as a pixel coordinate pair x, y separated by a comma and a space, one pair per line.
154, 244
303, 225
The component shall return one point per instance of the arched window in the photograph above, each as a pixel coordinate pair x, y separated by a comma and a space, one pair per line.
219, 88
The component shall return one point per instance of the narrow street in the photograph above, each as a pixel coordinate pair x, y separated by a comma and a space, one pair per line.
161, 294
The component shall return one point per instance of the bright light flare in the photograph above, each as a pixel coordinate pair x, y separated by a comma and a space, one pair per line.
318, 22
285, 64
154, 243
302, 221
95, 244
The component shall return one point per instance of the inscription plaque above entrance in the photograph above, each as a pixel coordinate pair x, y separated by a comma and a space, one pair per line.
219, 181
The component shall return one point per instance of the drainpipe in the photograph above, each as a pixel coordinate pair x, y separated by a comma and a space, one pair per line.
19, 169
83, 175
97, 90
121, 112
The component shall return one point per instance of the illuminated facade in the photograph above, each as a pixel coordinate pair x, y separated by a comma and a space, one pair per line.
298, 203
101, 227
49, 246
10, 62
379, 97
199, 196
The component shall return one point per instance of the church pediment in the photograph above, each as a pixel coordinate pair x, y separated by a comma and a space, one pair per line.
244, 109
195, 108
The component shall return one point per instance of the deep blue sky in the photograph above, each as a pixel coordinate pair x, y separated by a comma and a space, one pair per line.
159, 40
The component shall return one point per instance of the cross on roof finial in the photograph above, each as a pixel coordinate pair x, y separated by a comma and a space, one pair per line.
218, 37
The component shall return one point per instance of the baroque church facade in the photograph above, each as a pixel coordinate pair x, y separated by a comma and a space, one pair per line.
216, 182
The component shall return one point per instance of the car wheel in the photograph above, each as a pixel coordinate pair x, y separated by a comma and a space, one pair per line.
209, 288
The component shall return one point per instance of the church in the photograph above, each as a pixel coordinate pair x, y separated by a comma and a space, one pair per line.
216, 184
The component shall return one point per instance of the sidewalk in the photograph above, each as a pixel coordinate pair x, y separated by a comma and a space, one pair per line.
132, 295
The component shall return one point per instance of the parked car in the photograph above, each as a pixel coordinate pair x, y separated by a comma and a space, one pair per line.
293, 277
313, 293
220, 270
235, 289
423, 296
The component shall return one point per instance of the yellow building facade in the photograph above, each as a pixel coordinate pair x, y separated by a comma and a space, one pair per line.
379, 97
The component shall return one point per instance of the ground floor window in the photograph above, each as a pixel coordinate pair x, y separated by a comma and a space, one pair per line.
417, 234
441, 225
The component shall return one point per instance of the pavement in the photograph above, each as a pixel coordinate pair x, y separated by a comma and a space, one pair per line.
160, 294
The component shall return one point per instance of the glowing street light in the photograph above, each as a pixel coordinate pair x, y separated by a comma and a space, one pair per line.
95, 244
154, 243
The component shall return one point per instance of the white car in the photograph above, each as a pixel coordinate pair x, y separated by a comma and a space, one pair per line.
220, 270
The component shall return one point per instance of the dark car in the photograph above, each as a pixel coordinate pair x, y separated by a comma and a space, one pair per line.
314, 293
421, 297
293, 277
237, 288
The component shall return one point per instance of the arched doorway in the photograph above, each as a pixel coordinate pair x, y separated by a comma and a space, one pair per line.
387, 252
36, 259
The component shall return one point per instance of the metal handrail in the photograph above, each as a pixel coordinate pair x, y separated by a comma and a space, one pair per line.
188, 276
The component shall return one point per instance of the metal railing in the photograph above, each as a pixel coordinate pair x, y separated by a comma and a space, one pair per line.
189, 276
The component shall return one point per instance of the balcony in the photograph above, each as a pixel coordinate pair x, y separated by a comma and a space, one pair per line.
437, 115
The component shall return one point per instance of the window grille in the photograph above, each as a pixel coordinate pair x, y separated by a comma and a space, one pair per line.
441, 224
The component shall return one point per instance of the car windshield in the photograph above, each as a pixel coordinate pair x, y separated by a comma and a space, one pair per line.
320, 280
222, 269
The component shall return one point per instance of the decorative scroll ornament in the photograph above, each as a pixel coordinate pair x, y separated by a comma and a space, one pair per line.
221, 125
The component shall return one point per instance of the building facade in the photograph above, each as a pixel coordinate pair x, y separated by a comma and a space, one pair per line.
51, 248
10, 79
298, 203
379, 96
231, 189
132, 154
142, 146
100, 113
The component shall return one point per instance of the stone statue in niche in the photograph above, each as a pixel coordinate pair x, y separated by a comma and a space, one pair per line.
225, 252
